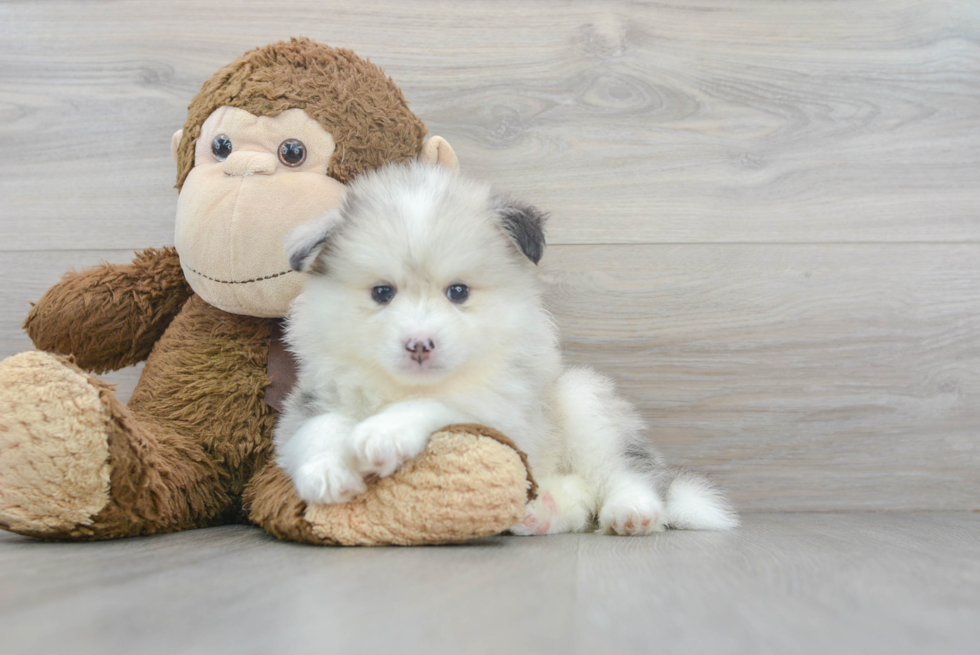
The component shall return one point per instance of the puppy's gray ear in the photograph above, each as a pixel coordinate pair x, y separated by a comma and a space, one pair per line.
524, 224
305, 242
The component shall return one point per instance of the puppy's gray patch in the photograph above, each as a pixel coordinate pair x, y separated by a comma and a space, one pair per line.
646, 460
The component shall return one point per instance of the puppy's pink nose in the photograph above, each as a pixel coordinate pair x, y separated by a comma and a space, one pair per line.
420, 348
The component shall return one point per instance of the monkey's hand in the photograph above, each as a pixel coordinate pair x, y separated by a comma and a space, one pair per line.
109, 316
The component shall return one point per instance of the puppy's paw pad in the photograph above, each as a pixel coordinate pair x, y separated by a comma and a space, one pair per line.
631, 518
537, 517
381, 444
327, 481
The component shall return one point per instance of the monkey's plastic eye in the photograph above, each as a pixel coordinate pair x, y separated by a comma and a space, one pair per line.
382, 294
458, 293
221, 147
292, 152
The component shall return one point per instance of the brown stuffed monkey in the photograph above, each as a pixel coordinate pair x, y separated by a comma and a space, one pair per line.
270, 142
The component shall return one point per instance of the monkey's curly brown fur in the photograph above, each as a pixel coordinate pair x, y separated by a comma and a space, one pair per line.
352, 98
111, 315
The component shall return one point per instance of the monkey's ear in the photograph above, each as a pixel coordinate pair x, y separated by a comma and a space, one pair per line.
437, 152
524, 224
174, 143
304, 243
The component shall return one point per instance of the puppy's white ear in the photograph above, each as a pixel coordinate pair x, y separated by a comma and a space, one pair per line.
305, 242
438, 152
525, 226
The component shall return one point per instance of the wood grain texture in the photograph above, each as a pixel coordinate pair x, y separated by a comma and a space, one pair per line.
892, 583
801, 376
766, 212
703, 121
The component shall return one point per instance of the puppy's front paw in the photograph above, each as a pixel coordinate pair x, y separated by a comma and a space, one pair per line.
327, 480
632, 514
383, 443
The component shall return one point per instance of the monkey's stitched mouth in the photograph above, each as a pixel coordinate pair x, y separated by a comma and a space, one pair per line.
254, 279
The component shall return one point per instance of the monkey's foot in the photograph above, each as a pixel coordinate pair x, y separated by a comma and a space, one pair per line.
470, 482
54, 450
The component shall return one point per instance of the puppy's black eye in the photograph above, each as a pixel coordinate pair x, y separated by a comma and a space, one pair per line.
458, 293
292, 152
382, 294
221, 147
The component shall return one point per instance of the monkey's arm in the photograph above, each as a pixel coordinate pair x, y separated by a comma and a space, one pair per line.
109, 316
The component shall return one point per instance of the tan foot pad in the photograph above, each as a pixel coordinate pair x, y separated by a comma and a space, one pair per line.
54, 469
469, 483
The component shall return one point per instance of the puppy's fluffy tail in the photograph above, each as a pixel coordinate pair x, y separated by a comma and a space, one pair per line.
693, 503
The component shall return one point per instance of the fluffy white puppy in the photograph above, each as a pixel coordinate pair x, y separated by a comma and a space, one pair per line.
423, 308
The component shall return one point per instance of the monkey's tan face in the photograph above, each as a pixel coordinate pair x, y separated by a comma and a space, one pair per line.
254, 179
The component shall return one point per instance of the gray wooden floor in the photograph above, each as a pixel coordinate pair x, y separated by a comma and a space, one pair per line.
783, 583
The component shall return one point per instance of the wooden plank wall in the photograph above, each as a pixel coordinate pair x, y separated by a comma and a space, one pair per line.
766, 214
